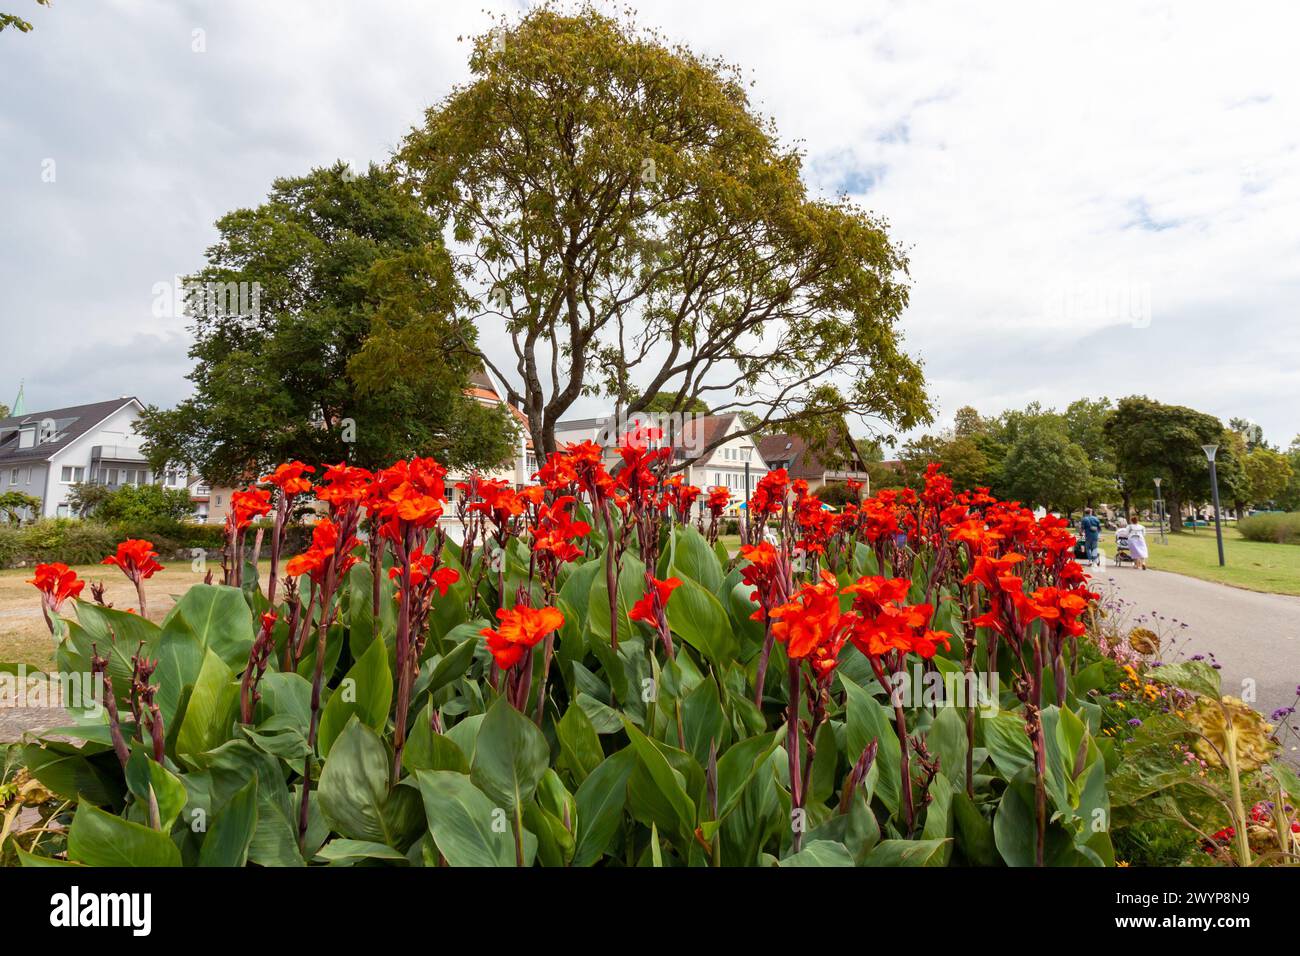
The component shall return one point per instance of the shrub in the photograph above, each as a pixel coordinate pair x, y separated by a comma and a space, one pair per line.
1276, 528
73, 541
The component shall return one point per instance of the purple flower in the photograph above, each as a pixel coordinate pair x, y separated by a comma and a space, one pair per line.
1134, 722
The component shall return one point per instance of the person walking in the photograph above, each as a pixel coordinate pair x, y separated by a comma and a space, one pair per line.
1091, 527
1137, 541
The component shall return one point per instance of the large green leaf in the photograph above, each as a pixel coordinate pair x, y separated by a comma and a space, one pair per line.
218, 617
467, 828
144, 775
355, 797
1007, 742
580, 748
698, 616
658, 791
365, 693
509, 758
600, 802
212, 709
631, 585
693, 558
703, 722
97, 838
867, 720
88, 772
231, 835
907, 853
820, 853
1200, 677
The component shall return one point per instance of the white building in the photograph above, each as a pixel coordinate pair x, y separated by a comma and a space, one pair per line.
43, 454
735, 464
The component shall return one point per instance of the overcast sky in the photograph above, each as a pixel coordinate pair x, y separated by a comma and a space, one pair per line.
1100, 199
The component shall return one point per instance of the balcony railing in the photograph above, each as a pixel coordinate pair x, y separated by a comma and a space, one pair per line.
125, 453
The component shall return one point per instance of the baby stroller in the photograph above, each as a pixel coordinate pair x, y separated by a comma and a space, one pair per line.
1122, 554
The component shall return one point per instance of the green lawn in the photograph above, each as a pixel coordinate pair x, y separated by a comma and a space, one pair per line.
1254, 565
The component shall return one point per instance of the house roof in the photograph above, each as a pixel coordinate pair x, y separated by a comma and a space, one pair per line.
70, 424
697, 431
483, 388
799, 458
700, 431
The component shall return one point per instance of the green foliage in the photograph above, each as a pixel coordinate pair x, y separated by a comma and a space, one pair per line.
668, 235
1152, 440
73, 541
135, 504
1043, 467
1267, 474
1280, 528
13, 505
611, 776
353, 287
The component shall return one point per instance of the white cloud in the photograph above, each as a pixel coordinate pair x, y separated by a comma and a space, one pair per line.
1097, 199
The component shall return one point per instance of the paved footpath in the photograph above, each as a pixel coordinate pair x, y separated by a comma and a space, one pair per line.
1253, 636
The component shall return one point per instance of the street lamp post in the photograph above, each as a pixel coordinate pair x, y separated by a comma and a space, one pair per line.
1210, 451
1160, 513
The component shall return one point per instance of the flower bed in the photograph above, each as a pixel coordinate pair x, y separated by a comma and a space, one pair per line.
590, 678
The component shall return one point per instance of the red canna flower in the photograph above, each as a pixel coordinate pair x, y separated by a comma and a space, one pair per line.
324, 544
344, 484
559, 472
137, 559
290, 478
57, 583
422, 570
763, 572
770, 495
555, 532
810, 620
521, 629
247, 505
647, 608
411, 491
499, 501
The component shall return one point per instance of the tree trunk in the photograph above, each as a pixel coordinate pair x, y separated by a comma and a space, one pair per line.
1175, 512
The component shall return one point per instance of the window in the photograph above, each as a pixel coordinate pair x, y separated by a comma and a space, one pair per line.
13, 476
72, 473
62, 511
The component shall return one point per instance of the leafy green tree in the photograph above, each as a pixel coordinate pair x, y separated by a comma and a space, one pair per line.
14, 503
343, 281
1289, 499
1152, 440
1043, 467
1251, 433
145, 503
1267, 474
640, 231
85, 498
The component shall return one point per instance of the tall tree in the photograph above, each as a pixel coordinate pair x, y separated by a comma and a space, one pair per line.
638, 229
284, 314
1043, 467
1153, 440
1267, 474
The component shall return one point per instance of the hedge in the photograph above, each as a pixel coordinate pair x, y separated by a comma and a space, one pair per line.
75, 541
1275, 527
